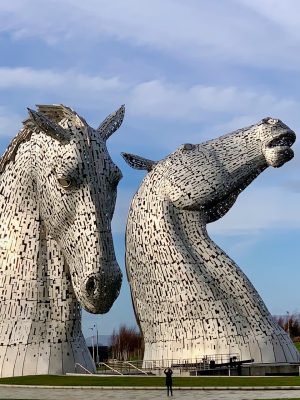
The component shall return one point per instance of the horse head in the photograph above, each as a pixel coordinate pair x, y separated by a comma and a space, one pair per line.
76, 185
208, 177
190, 298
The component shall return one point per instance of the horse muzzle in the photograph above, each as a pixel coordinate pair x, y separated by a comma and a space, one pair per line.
277, 151
97, 294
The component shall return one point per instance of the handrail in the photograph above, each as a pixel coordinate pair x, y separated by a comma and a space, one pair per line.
203, 361
113, 369
85, 369
132, 365
200, 363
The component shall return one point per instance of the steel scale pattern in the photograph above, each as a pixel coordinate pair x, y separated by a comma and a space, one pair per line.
191, 300
57, 196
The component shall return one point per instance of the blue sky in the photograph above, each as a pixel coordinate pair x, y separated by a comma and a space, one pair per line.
187, 70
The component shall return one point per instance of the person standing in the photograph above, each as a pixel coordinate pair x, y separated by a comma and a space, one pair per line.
169, 382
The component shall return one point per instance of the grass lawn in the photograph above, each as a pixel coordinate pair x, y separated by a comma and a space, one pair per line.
55, 380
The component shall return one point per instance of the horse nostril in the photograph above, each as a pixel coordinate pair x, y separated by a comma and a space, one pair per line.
91, 286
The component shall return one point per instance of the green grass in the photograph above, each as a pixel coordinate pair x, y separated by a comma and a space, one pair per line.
297, 344
54, 380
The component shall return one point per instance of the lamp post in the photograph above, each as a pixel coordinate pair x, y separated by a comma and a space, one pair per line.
92, 329
97, 348
288, 322
229, 373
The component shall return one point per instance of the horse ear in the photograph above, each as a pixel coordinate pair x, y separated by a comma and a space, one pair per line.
111, 123
49, 127
138, 162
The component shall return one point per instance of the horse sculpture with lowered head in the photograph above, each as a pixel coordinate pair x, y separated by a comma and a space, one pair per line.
57, 193
191, 300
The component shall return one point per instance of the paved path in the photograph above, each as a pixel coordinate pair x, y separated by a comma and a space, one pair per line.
116, 394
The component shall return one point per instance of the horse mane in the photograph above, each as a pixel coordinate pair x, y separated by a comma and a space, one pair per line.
55, 112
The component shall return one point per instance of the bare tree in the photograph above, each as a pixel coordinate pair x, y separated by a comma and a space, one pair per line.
127, 343
290, 324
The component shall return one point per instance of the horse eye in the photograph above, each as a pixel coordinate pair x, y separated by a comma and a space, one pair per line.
272, 121
115, 178
114, 182
64, 182
188, 146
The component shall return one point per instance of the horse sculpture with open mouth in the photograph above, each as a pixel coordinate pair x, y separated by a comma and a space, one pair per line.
57, 193
191, 300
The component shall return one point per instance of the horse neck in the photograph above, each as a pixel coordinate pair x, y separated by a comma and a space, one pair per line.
183, 231
180, 241
164, 226
190, 227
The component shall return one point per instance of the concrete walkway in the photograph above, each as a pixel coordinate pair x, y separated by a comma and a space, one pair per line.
13, 392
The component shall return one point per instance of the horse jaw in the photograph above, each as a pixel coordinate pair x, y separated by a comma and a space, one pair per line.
276, 157
277, 150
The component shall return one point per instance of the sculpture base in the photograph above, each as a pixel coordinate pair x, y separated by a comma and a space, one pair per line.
271, 369
276, 348
45, 359
253, 369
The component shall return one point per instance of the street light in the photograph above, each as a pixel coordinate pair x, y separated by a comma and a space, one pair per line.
288, 322
92, 329
97, 348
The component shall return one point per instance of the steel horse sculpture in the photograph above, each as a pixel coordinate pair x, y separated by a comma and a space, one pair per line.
57, 192
191, 300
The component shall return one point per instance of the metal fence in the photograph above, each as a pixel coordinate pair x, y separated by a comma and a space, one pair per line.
156, 367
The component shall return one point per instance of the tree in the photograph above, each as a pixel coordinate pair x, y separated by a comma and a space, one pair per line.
127, 344
290, 324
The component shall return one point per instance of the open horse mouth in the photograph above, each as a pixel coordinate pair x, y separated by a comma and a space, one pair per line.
286, 139
277, 150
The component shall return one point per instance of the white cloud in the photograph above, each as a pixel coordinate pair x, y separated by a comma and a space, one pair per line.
156, 98
234, 30
22, 77
285, 14
217, 109
70, 87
